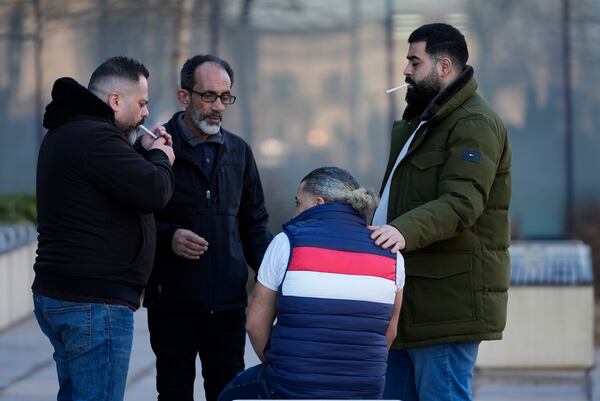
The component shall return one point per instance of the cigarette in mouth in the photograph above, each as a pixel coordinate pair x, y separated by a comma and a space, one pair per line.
152, 134
396, 88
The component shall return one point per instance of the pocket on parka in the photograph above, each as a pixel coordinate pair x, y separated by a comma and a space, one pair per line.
424, 161
424, 175
439, 288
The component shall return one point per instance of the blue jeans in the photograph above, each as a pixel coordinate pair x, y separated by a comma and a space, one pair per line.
92, 345
248, 384
437, 372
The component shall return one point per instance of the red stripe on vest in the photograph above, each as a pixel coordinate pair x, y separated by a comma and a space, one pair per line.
342, 262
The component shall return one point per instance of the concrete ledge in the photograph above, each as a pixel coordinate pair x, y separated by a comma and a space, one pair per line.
16, 276
548, 327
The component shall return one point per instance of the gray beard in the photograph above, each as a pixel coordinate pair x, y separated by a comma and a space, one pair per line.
131, 135
208, 129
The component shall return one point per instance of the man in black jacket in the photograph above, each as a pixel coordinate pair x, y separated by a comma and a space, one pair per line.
95, 198
214, 225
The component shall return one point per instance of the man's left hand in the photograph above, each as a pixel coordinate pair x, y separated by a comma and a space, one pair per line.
387, 236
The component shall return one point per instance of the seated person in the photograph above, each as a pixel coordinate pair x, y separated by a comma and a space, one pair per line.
335, 294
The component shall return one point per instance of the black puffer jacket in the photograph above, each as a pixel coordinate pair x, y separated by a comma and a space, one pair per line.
95, 196
229, 212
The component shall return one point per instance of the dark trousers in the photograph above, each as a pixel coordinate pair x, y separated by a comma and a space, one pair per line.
178, 336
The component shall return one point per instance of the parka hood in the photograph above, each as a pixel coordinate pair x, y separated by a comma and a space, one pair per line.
70, 99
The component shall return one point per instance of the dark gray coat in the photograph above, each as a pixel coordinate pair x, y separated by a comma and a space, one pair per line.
228, 211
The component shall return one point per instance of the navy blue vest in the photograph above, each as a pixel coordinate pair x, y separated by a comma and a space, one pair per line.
333, 309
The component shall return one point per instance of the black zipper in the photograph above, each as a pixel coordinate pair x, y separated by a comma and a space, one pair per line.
210, 199
208, 255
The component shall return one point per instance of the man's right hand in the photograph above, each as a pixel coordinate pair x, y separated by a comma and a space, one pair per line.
161, 143
187, 244
386, 237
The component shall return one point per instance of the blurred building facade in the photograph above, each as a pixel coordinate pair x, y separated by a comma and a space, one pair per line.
310, 80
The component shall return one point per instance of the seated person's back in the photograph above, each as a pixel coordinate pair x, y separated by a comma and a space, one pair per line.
335, 294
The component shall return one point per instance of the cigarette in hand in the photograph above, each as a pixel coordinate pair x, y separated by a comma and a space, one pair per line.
152, 134
396, 88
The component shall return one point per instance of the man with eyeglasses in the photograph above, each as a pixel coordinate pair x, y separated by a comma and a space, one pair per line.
213, 227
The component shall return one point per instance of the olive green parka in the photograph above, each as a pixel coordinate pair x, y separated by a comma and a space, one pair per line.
449, 198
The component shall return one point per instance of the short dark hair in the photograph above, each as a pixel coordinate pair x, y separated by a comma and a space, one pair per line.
189, 68
442, 39
118, 67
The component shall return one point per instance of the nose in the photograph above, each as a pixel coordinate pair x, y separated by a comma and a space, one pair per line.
218, 105
145, 112
407, 70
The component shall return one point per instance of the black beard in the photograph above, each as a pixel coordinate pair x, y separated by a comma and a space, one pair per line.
420, 95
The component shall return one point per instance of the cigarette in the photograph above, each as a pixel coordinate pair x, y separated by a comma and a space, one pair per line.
396, 88
152, 134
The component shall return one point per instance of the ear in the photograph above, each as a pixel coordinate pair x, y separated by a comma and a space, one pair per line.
114, 101
319, 200
445, 66
184, 98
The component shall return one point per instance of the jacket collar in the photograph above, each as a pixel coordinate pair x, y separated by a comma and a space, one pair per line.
451, 97
448, 100
327, 211
70, 99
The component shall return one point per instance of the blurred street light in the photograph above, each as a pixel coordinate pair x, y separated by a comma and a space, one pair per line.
317, 138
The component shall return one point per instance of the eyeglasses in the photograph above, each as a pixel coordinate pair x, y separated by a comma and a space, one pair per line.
211, 97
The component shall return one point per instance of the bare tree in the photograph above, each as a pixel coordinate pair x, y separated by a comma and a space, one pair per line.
214, 24
244, 40
38, 41
183, 37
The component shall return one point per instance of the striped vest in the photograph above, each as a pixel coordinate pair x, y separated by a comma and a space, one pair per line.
333, 309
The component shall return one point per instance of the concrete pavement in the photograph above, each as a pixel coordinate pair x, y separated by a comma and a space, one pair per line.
27, 372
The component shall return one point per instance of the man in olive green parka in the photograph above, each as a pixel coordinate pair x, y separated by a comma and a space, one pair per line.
444, 204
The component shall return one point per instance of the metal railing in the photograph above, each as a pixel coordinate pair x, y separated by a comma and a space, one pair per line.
14, 235
548, 263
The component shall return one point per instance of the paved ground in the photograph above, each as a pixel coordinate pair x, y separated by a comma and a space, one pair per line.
27, 372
